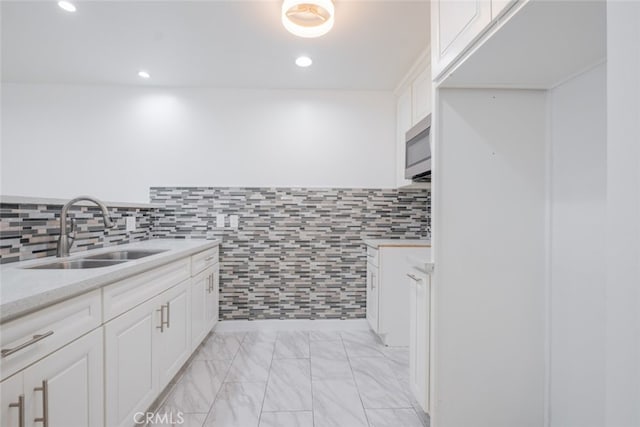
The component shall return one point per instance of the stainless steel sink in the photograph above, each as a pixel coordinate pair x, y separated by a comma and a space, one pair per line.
125, 255
77, 264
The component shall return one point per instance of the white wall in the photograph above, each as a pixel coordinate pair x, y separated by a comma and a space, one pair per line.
489, 253
116, 142
623, 215
578, 202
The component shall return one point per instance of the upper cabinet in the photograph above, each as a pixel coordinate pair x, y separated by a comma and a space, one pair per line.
456, 24
413, 103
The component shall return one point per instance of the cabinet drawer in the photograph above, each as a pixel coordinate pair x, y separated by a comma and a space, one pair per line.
128, 293
36, 335
204, 259
372, 255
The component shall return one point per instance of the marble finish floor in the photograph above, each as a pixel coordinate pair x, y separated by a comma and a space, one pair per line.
295, 378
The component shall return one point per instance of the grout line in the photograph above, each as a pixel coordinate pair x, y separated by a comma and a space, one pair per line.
224, 380
266, 385
366, 417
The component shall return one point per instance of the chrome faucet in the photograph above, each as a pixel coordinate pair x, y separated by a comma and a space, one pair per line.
63, 242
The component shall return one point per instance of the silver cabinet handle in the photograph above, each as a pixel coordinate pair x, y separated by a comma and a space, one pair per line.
45, 404
373, 280
209, 258
414, 278
163, 322
35, 339
20, 405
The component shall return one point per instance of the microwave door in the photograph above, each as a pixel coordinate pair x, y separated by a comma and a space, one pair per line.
418, 155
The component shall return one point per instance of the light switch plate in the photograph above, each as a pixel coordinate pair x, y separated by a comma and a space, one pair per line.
220, 220
130, 223
233, 221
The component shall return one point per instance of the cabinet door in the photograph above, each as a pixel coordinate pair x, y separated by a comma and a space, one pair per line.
455, 25
130, 368
372, 297
175, 337
498, 7
403, 123
421, 95
213, 299
12, 401
66, 388
200, 291
419, 339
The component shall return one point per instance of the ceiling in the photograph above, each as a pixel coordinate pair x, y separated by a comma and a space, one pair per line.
229, 44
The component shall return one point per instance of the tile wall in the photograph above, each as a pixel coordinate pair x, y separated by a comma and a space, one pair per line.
29, 231
297, 252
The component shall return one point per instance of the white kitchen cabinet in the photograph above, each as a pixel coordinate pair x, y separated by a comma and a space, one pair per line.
145, 348
498, 7
131, 368
421, 95
455, 25
419, 335
413, 103
204, 303
403, 123
64, 389
387, 292
175, 335
12, 401
372, 296
213, 299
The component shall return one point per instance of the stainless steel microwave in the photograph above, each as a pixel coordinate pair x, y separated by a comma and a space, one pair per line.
418, 151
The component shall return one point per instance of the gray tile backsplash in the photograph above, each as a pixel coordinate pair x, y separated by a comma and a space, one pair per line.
298, 252
29, 231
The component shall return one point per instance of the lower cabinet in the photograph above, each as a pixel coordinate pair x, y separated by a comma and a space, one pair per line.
204, 303
65, 389
372, 296
419, 336
145, 347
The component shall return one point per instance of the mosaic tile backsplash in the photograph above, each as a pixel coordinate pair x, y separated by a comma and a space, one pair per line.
297, 253
29, 231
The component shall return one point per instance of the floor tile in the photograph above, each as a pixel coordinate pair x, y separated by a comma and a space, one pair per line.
197, 388
362, 337
359, 349
393, 418
398, 358
219, 347
292, 345
260, 336
336, 403
286, 419
378, 385
324, 336
252, 362
328, 349
289, 386
330, 369
237, 405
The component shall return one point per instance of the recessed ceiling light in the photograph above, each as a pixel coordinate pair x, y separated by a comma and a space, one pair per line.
68, 6
303, 61
143, 74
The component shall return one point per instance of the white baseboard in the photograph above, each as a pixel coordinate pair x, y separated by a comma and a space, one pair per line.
293, 324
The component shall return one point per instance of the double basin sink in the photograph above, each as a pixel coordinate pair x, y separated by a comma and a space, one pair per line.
99, 260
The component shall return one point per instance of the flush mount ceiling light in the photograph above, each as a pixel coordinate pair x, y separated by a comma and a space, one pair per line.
303, 61
308, 18
143, 74
68, 6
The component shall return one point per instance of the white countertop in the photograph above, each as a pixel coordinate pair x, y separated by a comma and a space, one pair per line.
23, 291
376, 243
